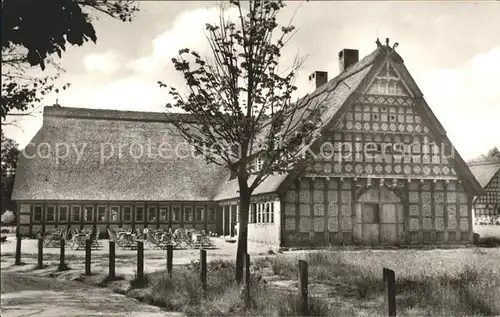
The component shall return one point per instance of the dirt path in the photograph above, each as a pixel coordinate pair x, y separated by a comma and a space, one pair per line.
27, 295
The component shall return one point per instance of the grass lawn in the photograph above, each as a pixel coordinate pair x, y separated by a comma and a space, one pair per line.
460, 282
183, 292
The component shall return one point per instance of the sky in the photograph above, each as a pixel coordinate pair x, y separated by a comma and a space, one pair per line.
452, 50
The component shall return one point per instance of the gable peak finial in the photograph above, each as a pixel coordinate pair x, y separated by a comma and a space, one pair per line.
387, 42
379, 44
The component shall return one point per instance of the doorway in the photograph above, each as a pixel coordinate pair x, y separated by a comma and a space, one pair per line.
379, 218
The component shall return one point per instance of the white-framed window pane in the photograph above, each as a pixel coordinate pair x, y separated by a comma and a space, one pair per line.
37, 213
163, 214
89, 213
176, 214
188, 213
127, 214
258, 213
139, 214
199, 214
101, 214
50, 214
272, 212
268, 212
63, 213
151, 214
75, 213
114, 214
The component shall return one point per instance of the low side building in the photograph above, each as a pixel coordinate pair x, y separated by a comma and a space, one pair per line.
487, 206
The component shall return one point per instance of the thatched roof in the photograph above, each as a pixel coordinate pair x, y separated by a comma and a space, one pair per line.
484, 171
158, 174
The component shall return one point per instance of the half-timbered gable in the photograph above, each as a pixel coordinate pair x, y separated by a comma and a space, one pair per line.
385, 171
487, 206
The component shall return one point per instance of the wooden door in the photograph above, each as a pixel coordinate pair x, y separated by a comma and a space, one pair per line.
370, 223
388, 224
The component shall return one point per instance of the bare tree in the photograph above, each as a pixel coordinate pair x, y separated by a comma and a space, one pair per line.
241, 102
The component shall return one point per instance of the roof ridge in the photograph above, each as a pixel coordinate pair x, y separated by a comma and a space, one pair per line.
114, 114
486, 161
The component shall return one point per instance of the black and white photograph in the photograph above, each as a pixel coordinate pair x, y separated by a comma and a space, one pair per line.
250, 158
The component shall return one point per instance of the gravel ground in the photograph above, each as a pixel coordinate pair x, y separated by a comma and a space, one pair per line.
25, 295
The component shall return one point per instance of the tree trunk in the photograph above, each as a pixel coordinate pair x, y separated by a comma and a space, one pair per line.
242, 232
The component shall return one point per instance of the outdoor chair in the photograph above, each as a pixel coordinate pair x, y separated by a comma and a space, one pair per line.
78, 241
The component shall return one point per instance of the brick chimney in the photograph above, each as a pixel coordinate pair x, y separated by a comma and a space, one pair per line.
347, 57
317, 79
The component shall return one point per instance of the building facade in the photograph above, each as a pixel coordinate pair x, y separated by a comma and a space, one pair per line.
388, 174
487, 206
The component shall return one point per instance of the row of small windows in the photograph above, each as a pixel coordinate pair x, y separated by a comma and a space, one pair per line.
384, 116
405, 138
116, 214
262, 213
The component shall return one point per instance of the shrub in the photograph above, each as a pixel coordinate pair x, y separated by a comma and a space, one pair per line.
8, 217
489, 241
137, 283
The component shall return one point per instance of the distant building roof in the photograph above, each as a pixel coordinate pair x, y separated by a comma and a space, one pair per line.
484, 170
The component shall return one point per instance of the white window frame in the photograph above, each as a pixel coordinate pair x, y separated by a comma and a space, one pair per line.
155, 214
54, 213
272, 212
167, 209
268, 212
202, 214
117, 214
185, 209
79, 214
41, 214
131, 214
59, 213
105, 214
85, 213
258, 213
179, 216
136, 213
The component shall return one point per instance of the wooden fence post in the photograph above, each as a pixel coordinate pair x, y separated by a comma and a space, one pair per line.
170, 255
246, 278
203, 269
390, 291
40, 253
140, 261
18, 250
88, 246
111, 259
62, 244
303, 288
